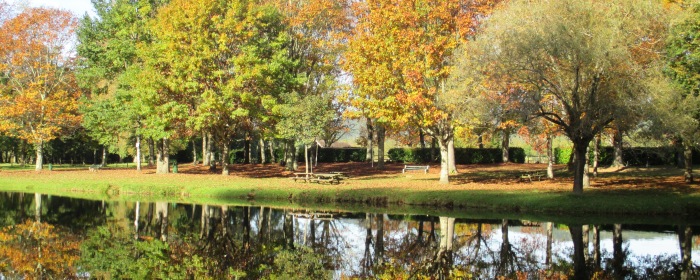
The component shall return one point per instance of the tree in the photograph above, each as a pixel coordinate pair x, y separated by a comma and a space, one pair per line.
399, 56
681, 119
582, 62
308, 109
109, 66
219, 67
39, 95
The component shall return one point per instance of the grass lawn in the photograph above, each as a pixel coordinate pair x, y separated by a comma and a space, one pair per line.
496, 188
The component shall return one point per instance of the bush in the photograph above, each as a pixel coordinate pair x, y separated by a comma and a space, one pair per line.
462, 155
516, 155
562, 155
341, 154
640, 156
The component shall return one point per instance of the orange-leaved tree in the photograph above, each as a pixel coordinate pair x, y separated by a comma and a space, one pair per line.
39, 95
399, 56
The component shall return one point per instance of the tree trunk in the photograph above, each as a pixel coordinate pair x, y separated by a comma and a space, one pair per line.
370, 141
210, 152
285, 153
444, 165
162, 157
688, 160
617, 148
195, 161
291, 156
381, 136
596, 155
224, 158
580, 149
246, 150
505, 145
421, 135
272, 151
586, 178
104, 156
138, 153
550, 158
151, 152
205, 149
306, 159
480, 141
263, 158
571, 165
433, 148
451, 156
39, 156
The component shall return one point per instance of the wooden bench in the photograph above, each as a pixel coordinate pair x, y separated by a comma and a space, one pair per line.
94, 167
531, 175
416, 167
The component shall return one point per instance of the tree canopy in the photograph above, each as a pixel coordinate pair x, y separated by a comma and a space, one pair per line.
580, 64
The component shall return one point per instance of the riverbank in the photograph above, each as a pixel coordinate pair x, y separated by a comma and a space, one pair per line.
497, 188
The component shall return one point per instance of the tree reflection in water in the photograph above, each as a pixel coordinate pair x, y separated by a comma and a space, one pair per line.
165, 240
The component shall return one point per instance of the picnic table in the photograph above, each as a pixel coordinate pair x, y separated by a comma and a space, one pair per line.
327, 177
532, 175
302, 176
330, 177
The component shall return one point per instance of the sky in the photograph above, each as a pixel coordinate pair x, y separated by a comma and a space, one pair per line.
78, 7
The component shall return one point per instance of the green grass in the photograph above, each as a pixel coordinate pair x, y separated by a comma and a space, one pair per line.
19, 167
398, 192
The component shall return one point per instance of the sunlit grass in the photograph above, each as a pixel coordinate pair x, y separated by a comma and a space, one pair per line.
650, 192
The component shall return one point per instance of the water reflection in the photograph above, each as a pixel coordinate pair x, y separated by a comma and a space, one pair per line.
55, 237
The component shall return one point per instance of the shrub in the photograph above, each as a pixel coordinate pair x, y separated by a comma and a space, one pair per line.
562, 155
639, 156
341, 154
462, 155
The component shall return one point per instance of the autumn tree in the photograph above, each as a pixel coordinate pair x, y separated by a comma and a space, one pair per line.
317, 31
219, 67
586, 59
400, 56
39, 95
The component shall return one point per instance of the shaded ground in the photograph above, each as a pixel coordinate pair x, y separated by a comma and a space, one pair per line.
470, 177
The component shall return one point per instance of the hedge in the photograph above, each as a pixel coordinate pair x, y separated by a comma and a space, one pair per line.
639, 156
462, 155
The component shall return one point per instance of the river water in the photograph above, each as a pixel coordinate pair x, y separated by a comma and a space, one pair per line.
57, 237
